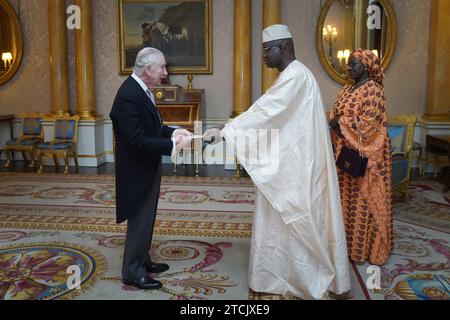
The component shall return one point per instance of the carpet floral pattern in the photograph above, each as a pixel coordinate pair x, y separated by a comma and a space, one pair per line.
51, 222
39, 270
419, 266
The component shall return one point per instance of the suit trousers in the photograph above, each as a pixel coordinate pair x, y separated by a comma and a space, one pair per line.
139, 235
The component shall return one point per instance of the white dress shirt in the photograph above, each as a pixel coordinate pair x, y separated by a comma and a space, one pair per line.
144, 87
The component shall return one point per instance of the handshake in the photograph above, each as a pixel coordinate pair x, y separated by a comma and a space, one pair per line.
183, 138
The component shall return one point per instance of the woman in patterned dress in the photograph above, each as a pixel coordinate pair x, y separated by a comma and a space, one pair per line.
366, 201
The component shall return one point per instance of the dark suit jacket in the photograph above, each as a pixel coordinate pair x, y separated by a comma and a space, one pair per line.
140, 143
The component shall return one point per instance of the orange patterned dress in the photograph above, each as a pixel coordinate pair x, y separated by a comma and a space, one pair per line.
366, 201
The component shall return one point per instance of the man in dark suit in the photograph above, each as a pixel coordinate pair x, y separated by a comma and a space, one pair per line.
141, 141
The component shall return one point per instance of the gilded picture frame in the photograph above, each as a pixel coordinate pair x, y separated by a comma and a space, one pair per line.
181, 29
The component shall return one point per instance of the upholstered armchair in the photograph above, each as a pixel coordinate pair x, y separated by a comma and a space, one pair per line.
401, 133
64, 143
32, 134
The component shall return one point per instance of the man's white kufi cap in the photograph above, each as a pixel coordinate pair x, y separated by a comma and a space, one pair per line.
276, 32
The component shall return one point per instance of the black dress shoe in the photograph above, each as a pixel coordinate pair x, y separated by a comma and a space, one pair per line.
157, 267
144, 283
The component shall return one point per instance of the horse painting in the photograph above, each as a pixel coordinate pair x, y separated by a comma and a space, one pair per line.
180, 29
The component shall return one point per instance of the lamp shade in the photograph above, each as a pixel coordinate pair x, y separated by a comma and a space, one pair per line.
7, 56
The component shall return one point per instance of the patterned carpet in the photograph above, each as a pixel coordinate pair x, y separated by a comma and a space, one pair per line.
51, 222
419, 266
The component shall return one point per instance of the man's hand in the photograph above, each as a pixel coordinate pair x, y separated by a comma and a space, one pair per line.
181, 132
212, 136
183, 142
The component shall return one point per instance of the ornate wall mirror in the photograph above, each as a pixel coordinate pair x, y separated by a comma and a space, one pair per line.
348, 24
10, 42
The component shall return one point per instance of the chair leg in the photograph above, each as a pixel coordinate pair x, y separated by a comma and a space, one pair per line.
175, 165
41, 163
420, 163
8, 159
66, 162
33, 157
24, 156
427, 162
238, 169
405, 196
436, 164
75, 156
55, 160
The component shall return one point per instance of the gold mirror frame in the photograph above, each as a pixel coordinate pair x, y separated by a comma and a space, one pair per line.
6, 6
321, 50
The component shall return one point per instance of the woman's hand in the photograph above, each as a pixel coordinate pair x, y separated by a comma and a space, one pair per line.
334, 124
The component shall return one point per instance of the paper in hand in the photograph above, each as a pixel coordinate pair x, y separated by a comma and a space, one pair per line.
197, 137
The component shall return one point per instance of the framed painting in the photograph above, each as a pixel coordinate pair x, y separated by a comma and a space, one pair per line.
181, 29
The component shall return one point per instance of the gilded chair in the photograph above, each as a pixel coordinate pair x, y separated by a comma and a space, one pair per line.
401, 133
32, 134
64, 143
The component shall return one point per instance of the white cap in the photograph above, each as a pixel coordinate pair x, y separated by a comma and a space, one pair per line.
276, 32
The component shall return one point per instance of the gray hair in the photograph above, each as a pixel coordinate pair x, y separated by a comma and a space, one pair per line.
145, 57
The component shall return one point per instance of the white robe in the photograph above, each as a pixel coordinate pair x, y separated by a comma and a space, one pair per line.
298, 243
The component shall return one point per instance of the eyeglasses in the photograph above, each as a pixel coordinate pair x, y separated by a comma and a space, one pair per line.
267, 49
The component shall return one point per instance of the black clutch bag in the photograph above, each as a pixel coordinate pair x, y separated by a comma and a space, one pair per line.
352, 162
